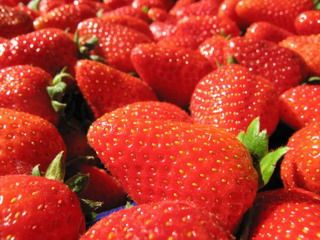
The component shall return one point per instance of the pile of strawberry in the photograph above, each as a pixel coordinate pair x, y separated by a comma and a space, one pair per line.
165, 104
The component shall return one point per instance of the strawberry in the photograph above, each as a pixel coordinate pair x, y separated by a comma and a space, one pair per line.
12, 3
115, 41
26, 140
157, 14
38, 208
102, 187
161, 30
2, 40
267, 31
180, 4
281, 13
308, 48
33, 14
65, 17
147, 4
114, 4
228, 9
50, 49
189, 42
285, 69
301, 165
282, 214
14, 22
45, 6
167, 160
24, 88
308, 23
96, 79
171, 72
216, 103
129, 11
163, 220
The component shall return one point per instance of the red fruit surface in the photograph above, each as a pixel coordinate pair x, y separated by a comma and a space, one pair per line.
228, 9
161, 30
26, 140
24, 88
231, 97
199, 8
299, 106
301, 165
106, 88
129, 11
38, 208
163, 220
50, 49
158, 14
166, 160
171, 72
141, 4
33, 14
12, 3
284, 214
308, 23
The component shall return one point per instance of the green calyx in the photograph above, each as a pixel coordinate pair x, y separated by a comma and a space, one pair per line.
257, 143
34, 5
313, 80
232, 60
316, 4
145, 9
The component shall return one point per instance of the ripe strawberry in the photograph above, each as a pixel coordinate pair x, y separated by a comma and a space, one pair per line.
2, 40
228, 9
50, 49
161, 30
115, 41
180, 4
285, 69
301, 165
170, 71
33, 14
267, 31
45, 6
129, 11
282, 214
308, 48
12, 3
114, 4
141, 4
65, 17
299, 106
38, 208
163, 220
215, 102
308, 23
176, 41
103, 187
27, 140
157, 14
96, 79
166, 160
14, 22
281, 13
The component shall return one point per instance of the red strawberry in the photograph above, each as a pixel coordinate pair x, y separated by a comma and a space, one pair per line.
65, 17
147, 4
171, 72
267, 31
161, 30
103, 187
2, 40
231, 97
299, 106
308, 23
33, 14
130, 11
301, 165
157, 14
285, 69
12, 3
106, 88
24, 88
284, 214
50, 49
308, 47
166, 160
281, 13
26, 140
180, 4
189, 42
163, 220
14, 22
114, 4
47, 5
228, 9
38, 208
115, 41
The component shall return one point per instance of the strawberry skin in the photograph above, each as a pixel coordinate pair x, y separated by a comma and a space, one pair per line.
166, 160
172, 72
38, 208
163, 220
282, 214
200, 8
301, 165
23, 88
299, 106
215, 102
26, 140
308, 23
14, 22
50, 49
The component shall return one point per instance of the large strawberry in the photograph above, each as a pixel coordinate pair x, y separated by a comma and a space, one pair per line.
281, 13
106, 88
282, 214
163, 220
172, 72
26, 140
51, 49
14, 22
115, 41
231, 97
301, 164
308, 23
159, 159
38, 208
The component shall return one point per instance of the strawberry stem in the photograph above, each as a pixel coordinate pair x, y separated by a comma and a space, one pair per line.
34, 4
